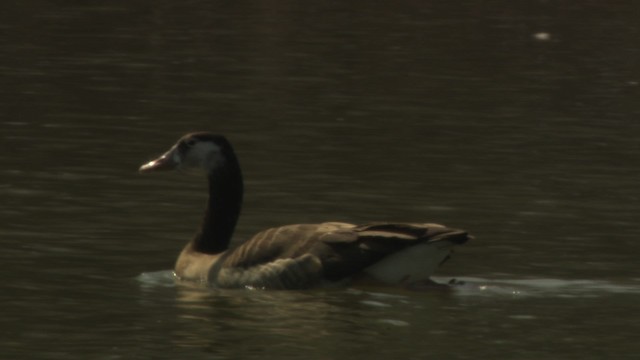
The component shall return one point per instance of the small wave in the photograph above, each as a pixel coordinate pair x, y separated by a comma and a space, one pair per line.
393, 322
164, 278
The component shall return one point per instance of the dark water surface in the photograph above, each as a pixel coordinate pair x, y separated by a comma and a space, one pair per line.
518, 121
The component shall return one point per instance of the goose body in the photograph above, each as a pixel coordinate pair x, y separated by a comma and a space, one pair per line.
293, 256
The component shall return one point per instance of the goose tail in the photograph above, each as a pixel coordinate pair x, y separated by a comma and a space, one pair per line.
430, 246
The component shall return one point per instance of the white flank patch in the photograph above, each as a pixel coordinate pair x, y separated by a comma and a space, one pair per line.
414, 263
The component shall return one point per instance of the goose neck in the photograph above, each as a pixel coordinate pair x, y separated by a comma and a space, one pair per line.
223, 208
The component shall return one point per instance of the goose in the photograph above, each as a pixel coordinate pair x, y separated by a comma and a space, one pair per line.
295, 256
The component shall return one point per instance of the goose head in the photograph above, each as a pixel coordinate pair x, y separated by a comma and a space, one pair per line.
201, 150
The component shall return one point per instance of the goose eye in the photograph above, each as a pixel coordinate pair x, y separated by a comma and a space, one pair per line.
190, 142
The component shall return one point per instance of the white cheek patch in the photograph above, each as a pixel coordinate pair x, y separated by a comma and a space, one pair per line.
206, 155
176, 157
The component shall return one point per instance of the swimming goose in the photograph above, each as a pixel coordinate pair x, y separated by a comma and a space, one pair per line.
293, 256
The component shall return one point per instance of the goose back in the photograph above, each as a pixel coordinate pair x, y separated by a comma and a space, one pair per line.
304, 255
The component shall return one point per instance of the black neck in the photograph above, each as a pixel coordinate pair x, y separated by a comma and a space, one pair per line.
223, 207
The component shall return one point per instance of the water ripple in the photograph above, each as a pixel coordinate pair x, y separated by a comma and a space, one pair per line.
567, 288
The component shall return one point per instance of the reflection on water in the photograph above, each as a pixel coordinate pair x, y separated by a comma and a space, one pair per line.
330, 322
514, 120
280, 321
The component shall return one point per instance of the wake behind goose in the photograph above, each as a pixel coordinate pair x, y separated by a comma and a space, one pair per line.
543, 287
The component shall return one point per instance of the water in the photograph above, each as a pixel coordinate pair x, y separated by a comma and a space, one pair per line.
515, 121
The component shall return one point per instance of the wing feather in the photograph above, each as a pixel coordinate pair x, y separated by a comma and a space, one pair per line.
298, 256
